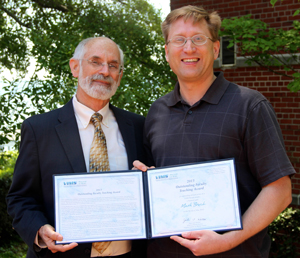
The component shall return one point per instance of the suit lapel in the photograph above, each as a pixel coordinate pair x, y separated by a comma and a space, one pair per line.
68, 133
126, 128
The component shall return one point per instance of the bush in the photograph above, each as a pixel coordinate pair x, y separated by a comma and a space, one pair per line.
15, 249
7, 234
285, 234
284, 230
8, 161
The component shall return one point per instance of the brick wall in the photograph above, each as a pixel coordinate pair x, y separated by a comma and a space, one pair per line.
285, 103
281, 16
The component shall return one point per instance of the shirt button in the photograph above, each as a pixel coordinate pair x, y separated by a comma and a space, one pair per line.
190, 112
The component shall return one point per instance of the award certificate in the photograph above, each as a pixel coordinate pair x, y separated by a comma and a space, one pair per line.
193, 197
123, 205
93, 206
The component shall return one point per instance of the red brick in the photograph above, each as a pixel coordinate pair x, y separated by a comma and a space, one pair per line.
234, 4
281, 8
246, 2
296, 154
263, 5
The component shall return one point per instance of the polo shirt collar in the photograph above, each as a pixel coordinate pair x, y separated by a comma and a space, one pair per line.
212, 96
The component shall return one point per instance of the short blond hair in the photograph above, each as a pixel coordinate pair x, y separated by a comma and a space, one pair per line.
213, 20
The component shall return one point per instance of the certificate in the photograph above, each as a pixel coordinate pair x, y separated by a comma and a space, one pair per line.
99, 206
193, 197
124, 205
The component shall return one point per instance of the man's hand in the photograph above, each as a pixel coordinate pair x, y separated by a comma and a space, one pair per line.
141, 166
274, 198
49, 236
203, 242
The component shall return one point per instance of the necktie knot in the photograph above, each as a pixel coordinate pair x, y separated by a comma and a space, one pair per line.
96, 119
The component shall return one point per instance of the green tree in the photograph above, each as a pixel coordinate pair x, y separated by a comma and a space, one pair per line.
49, 30
275, 49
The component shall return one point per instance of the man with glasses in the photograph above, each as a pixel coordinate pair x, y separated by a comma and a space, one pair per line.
61, 141
208, 118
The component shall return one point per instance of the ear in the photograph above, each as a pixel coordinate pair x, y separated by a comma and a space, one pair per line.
75, 67
216, 49
167, 53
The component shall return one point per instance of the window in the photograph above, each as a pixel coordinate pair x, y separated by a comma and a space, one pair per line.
228, 56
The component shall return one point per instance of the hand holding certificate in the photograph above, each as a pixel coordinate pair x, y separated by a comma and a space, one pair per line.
193, 197
137, 205
99, 206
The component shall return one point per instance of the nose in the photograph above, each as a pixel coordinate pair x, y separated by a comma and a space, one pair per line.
104, 69
189, 46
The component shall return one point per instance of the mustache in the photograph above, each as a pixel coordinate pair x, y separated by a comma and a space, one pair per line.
102, 78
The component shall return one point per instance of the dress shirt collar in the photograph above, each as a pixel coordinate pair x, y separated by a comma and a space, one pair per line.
84, 113
212, 96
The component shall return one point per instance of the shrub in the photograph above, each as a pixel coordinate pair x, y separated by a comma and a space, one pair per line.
7, 234
285, 234
15, 249
8, 161
284, 230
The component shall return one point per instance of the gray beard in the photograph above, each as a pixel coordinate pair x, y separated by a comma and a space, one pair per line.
97, 91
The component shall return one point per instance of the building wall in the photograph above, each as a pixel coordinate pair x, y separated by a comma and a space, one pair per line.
281, 16
272, 86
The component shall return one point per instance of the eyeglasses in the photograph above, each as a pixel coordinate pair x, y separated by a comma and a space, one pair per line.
97, 64
180, 41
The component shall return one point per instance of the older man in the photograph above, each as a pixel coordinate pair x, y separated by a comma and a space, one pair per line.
206, 118
61, 141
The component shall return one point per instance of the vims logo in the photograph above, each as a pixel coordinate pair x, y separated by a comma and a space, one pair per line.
75, 183
162, 177
70, 183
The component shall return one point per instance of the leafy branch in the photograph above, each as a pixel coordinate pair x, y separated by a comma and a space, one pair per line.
268, 47
14, 16
53, 4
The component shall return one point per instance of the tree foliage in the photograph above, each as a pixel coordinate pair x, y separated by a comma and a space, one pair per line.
49, 30
271, 48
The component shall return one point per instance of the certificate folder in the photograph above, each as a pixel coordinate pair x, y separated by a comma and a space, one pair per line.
124, 205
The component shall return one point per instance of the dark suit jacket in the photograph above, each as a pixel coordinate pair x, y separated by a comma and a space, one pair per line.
50, 144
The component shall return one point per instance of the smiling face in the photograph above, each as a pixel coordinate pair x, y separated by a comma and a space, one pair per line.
97, 85
97, 81
191, 63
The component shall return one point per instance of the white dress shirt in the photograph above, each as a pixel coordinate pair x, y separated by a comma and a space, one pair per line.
116, 154
115, 145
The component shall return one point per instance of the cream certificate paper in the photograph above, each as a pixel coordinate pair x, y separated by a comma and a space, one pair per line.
194, 197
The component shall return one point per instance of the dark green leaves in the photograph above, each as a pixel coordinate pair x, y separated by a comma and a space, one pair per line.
267, 47
48, 31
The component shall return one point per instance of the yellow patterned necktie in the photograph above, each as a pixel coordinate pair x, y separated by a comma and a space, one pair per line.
99, 161
98, 153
